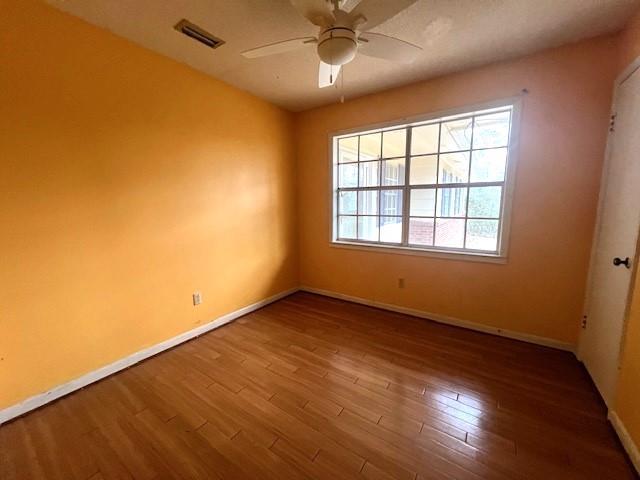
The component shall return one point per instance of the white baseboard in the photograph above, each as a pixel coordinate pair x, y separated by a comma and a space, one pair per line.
627, 442
525, 337
61, 390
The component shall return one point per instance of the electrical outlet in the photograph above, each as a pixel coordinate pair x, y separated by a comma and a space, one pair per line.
197, 298
401, 283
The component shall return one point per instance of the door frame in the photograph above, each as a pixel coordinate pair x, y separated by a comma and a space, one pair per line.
632, 68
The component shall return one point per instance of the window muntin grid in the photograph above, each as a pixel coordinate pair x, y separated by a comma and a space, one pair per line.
437, 185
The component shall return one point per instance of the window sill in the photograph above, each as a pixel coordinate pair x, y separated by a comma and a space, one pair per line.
444, 255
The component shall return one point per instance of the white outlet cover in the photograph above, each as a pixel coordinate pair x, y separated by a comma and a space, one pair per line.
197, 298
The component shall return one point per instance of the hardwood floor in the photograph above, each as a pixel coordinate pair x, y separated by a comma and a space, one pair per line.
312, 387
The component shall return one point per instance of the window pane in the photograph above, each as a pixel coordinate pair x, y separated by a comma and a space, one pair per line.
482, 235
425, 139
421, 231
423, 202
393, 172
368, 202
454, 168
485, 202
394, 143
455, 181
456, 135
492, 130
449, 232
368, 228
391, 229
452, 202
348, 150
369, 174
488, 165
348, 175
391, 202
347, 203
423, 170
346, 227
370, 146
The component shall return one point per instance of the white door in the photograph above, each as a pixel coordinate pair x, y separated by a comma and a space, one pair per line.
616, 237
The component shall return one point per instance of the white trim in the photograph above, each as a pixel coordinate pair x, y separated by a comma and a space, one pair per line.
525, 337
626, 440
516, 104
43, 398
414, 119
399, 250
627, 72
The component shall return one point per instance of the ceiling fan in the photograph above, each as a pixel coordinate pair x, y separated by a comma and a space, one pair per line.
343, 34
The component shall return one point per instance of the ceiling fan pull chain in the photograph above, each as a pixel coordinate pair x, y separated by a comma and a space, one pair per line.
331, 58
342, 85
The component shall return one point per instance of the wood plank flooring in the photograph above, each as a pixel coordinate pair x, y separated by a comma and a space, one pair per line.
312, 387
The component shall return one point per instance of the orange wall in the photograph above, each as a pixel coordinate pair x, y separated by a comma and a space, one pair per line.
628, 394
540, 290
127, 181
124, 187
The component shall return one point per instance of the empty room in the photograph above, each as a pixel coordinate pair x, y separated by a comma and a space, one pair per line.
319, 239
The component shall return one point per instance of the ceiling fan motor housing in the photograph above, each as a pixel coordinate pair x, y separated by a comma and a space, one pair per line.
337, 45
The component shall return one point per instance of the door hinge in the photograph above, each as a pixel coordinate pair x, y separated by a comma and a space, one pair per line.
612, 123
583, 324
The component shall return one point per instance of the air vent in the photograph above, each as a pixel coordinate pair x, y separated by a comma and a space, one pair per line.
197, 33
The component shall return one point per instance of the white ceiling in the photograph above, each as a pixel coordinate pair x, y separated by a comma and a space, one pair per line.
455, 35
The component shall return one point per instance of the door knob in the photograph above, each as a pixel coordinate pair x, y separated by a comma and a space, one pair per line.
618, 261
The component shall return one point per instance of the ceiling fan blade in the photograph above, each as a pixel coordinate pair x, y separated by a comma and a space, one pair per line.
327, 74
318, 12
376, 12
389, 48
279, 47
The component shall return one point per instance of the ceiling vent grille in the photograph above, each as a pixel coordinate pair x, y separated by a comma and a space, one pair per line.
197, 33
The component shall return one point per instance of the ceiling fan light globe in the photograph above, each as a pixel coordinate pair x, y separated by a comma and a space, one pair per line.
337, 51
337, 46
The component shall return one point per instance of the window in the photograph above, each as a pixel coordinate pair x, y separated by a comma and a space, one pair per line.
437, 185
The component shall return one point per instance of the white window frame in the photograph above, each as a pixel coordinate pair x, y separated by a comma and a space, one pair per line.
500, 255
